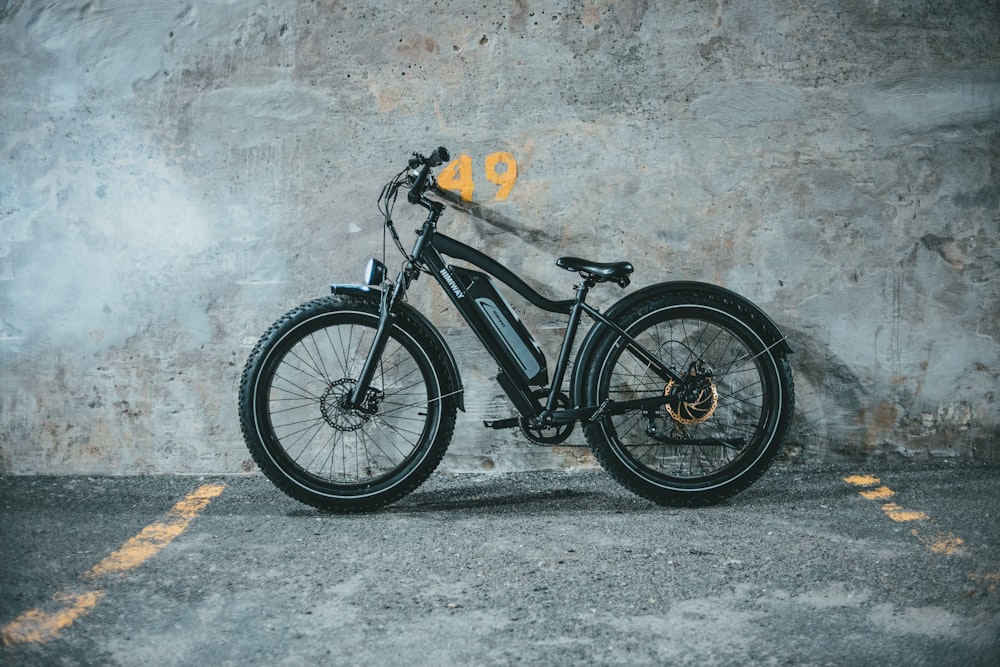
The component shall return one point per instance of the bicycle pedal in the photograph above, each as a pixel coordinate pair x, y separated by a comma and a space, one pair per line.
501, 423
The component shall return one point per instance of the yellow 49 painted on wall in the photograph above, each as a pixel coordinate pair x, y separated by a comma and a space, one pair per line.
457, 174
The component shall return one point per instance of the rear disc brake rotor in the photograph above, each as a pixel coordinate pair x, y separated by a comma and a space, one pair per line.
694, 400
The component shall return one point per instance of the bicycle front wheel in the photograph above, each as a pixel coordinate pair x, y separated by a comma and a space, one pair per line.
296, 425
718, 428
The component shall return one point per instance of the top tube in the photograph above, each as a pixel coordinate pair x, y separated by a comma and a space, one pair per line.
449, 246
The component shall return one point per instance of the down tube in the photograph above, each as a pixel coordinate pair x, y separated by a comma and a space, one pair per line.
513, 382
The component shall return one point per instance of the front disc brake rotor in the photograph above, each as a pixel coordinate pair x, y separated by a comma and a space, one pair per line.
331, 406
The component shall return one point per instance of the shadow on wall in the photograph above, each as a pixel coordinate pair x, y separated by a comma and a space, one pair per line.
844, 414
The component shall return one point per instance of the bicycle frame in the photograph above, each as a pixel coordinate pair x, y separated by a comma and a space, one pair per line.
429, 254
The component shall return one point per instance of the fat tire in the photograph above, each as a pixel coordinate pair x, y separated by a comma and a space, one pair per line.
330, 334
718, 316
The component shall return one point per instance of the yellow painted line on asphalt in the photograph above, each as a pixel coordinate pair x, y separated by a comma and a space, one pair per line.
155, 536
878, 494
937, 541
43, 624
871, 488
862, 480
942, 543
897, 513
990, 581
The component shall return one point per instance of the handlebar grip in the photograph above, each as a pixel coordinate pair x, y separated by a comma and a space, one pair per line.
438, 157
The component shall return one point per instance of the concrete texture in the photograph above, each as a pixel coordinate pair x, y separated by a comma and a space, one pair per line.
174, 176
526, 568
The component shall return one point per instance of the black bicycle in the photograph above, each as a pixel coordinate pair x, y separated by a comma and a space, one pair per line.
348, 402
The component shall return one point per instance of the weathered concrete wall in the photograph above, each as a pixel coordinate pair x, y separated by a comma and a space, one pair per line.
174, 176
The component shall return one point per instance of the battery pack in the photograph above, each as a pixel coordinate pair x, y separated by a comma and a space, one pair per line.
511, 338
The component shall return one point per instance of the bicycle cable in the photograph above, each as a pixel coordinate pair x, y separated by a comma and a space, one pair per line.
386, 204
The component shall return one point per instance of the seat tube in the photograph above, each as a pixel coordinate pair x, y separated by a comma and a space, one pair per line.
567, 346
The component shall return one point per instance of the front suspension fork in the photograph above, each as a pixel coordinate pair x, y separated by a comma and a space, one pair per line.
386, 319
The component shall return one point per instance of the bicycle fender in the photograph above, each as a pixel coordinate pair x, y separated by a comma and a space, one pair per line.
375, 295
769, 330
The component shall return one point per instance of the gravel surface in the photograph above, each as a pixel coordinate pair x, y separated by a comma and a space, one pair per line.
526, 568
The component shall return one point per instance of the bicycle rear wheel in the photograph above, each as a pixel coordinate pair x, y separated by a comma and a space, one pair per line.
718, 429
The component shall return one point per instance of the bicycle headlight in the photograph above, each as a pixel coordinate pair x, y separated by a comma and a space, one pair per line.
374, 272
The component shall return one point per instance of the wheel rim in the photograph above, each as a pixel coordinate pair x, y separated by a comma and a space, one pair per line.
321, 445
732, 409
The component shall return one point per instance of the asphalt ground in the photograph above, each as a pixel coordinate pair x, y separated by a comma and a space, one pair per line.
835, 565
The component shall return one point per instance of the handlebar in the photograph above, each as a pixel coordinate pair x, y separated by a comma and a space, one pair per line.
436, 159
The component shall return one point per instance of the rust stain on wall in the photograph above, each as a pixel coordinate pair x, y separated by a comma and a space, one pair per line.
224, 164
